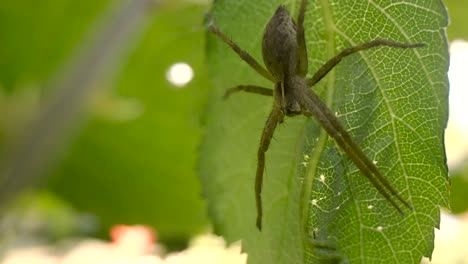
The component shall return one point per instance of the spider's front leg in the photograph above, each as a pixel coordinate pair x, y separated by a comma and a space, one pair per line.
331, 63
275, 117
250, 89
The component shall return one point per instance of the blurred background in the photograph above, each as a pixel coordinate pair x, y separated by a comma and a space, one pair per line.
101, 112
124, 151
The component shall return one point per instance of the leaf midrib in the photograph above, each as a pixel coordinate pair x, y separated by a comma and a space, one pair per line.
319, 147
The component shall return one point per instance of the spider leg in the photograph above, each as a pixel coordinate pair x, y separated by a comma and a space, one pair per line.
313, 106
302, 64
330, 64
243, 54
273, 119
248, 88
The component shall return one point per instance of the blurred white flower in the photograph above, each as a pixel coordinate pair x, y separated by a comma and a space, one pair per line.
209, 249
456, 137
33, 255
131, 245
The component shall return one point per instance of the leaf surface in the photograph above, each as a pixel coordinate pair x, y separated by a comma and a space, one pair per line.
318, 207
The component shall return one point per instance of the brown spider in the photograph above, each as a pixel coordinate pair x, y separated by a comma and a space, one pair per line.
285, 56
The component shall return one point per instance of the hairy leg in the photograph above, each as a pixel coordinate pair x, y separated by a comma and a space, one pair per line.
330, 64
243, 54
313, 106
273, 119
248, 88
300, 38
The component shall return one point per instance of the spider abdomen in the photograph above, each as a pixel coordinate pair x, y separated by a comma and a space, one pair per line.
279, 46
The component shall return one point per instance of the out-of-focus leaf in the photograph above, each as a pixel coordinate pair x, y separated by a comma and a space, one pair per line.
459, 191
31, 50
134, 162
37, 35
457, 11
142, 170
392, 101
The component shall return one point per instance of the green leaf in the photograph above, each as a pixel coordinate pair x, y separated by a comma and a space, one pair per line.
392, 101
459, 190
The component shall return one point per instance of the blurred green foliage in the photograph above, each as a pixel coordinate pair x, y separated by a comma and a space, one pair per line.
458, 20
37, 36
459, 193
133, 160
142, 171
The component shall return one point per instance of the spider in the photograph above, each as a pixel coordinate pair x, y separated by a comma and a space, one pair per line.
285, 56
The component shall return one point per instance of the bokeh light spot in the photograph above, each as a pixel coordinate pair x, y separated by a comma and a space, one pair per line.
179, 74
